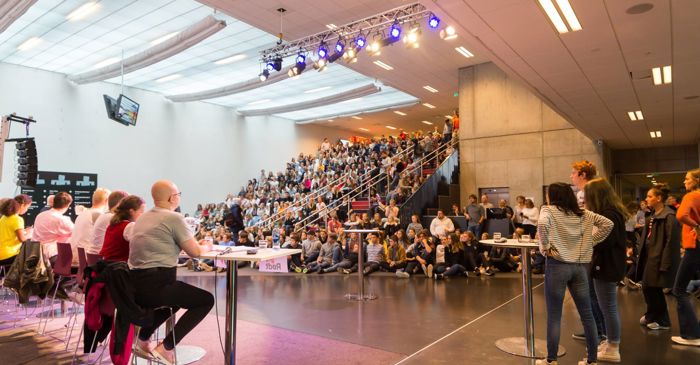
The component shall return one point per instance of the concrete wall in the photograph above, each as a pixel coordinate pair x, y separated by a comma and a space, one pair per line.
510, 138
206, 149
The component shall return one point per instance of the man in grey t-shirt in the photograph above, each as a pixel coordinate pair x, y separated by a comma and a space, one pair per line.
475, 216
158, 236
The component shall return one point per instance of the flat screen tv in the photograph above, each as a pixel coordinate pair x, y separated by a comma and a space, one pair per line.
110, 105
127, 110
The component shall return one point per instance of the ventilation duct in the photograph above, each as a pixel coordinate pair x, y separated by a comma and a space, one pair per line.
184, 40
360, 112
331, 99
11, 10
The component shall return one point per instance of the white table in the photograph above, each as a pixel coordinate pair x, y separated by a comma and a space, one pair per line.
527, 346
361, 296
239, 254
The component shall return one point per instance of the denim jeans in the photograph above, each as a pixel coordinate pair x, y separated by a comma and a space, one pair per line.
337, 254
606, 292
476, 229
596, 308
688, 321
558, 276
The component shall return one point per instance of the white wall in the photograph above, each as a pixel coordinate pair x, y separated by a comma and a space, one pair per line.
206, 149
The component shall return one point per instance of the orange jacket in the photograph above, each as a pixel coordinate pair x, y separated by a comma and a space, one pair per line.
689, 214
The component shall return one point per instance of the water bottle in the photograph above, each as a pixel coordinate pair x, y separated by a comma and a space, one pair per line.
275, 235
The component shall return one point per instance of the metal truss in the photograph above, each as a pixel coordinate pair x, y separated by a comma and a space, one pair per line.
368, 27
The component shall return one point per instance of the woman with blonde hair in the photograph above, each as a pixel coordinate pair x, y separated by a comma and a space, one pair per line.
689, 215
608, 262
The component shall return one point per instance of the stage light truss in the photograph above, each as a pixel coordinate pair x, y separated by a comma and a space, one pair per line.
367, 28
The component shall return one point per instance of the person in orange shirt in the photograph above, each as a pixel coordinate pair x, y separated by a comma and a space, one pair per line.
689, 215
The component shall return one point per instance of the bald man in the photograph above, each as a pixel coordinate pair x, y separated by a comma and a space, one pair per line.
158, 237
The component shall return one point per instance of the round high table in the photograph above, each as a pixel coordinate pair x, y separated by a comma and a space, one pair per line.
361, 296
527, 346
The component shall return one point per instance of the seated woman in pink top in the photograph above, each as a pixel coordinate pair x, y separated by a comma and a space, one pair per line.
118, 234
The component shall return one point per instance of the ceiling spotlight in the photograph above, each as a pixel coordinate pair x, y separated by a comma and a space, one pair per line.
360, 41
433, 21
448, 33
375, 48
264, 75
322, 51
395, 31
300, 58
274, 64
339, 46
411, 39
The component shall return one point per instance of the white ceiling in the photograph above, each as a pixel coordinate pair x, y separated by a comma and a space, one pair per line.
435, 63
585, 75
129, 26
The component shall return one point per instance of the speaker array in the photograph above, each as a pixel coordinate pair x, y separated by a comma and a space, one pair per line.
26, 163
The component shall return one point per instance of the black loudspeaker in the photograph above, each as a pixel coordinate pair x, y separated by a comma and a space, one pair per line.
26, 163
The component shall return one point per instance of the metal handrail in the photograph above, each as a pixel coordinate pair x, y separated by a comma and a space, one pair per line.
369, 184
316, 193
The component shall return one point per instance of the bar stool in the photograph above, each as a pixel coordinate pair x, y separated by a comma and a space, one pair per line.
169, 327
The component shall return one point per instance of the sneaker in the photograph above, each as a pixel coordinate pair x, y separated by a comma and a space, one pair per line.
143, 349
657, 326
608, 353
545, 362
465, 274
304, 270
297, 269
438, 276
340, 269
205, 267
347, 271
585, 362
579, 336
643, 320
402, 274
425, 269
164, 356
430, 271
189, 264
686, 341
490, 272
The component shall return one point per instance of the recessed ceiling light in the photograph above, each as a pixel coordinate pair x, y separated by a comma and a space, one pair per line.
169, 78
29, 43
399, 112
356, 117
383, 65
364, 129
83, 11
661, 75
106, 62
426, 122
259, 102
635, 115
655, 134
390, 127
431, 106
556, 19
430, 88
232, 59
317, 89
464, 52
163, 38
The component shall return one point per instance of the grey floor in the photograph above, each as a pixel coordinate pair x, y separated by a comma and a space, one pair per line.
415, 317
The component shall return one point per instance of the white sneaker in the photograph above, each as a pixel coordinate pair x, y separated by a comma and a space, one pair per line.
686, 341
657, 326
430, 271
608, 353
545, 362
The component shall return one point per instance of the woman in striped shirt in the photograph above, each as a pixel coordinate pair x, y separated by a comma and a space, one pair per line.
567, 240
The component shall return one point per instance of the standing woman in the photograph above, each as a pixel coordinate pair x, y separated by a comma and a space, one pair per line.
12, 231
118, 234
567, 240
659, 257
608, 263
688, 214
529, 216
